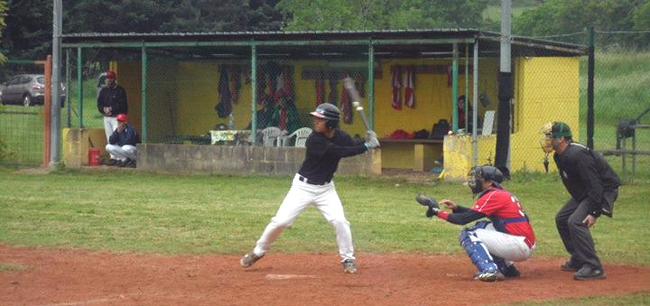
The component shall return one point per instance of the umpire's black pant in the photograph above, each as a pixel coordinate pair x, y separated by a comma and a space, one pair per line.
575, 234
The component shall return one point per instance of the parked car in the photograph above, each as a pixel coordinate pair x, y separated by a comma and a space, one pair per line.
26, 89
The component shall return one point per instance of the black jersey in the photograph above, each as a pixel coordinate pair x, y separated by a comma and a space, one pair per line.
586, 174
323, 155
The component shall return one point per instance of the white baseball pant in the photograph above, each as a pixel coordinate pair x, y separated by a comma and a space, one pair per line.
110, 124
300, 196
122, 153
506, 246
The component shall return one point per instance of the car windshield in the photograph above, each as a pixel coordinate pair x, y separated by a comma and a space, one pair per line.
40, 80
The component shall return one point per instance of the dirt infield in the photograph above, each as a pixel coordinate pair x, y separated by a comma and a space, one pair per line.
64, 277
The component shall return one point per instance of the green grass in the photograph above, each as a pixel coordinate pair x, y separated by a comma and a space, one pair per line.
641, 298
9, 267
154, 213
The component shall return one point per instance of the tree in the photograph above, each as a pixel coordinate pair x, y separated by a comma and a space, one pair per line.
555, 17
28, 34
381, 14
3, 14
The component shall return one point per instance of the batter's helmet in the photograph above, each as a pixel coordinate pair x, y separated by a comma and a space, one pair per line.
329, 112
487, 173
122, 117
110, 75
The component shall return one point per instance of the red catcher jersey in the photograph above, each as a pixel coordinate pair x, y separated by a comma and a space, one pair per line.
504, 205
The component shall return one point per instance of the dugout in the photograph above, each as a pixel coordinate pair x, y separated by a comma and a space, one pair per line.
182, 86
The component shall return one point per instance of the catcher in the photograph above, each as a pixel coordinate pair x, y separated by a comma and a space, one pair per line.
491, 245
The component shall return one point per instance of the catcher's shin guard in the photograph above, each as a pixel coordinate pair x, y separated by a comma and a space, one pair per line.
477, 252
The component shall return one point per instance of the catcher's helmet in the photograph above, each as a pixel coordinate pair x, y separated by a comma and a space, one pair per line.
487, 173
122, 118
110, 75
329, 112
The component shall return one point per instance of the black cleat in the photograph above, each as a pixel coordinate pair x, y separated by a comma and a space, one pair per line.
589, 273
571, 265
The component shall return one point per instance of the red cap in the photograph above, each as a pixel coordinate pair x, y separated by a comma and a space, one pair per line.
122, 117
110, 75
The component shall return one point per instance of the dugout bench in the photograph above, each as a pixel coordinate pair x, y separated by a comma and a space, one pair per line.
414, 154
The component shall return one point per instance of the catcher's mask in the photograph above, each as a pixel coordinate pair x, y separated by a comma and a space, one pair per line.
552, 132
479, 174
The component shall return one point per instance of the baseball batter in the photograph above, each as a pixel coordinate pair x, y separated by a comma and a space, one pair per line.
491, 245
313, 185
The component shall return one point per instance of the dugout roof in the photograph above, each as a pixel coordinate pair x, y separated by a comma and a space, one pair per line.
412, 43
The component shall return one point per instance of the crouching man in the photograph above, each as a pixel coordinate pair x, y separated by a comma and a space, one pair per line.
491, 245
122, 142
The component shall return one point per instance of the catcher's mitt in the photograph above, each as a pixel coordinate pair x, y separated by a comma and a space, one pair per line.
431, 203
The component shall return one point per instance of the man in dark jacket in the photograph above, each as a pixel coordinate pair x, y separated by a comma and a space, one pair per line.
122, 142
110, 102
593, 186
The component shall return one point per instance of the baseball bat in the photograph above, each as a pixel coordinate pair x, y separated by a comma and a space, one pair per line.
348, 82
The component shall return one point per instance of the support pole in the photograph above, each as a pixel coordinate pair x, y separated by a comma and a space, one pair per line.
590, 90
253, 94
145, 124
475, 107
55, 141
502, 156
371, 85
454, 89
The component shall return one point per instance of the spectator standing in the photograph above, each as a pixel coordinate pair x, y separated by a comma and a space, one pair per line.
111, 102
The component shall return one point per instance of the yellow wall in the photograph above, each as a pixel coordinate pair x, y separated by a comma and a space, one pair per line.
547, 89
433, 99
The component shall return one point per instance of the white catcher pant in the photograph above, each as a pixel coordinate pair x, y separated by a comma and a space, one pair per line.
508, 247
110, 124
300, 196
123, 152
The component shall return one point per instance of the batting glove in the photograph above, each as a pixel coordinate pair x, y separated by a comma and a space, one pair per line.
372, 143
370, 134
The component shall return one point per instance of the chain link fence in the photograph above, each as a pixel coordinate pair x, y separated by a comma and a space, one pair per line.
621, 102
21, 123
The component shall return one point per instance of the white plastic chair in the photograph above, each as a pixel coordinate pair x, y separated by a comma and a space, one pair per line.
270, 136
301, 135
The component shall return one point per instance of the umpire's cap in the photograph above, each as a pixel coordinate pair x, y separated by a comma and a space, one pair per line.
327, 111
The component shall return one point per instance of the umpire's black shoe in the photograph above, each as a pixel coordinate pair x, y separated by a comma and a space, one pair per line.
587, 272
571, 265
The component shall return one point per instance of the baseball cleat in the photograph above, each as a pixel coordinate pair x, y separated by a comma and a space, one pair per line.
349, 266
589, 273
249, 259
489, 277
571, 266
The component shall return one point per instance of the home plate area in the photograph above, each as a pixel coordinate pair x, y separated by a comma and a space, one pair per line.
71, 277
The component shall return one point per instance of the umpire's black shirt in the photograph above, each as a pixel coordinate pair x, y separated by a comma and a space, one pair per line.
586, 174
323, 155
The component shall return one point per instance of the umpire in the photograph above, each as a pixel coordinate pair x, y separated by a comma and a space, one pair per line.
593, 186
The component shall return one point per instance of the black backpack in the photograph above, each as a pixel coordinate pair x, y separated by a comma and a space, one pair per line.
440, 129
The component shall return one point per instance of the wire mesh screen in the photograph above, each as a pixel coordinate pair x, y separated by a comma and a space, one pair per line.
622, 101
21, 114
216, 101
243, 94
